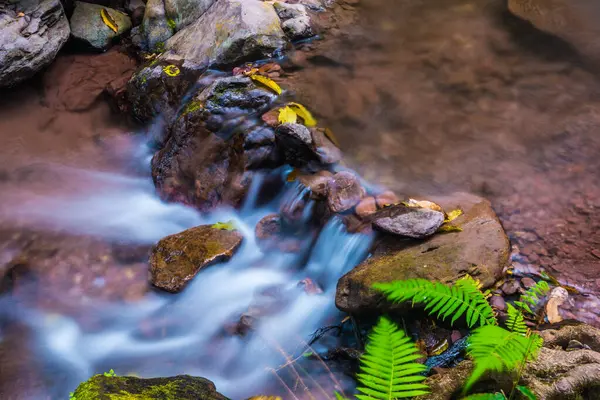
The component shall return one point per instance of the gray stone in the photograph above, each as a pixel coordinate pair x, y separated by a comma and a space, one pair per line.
288, 11
298, 28
412, 222
30, 42
230, 32
88, 27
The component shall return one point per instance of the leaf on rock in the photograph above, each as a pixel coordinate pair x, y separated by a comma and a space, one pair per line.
449, 228
225, 226
303, 113
108, 20
423, 204
171, 70
268, 82
287, 116
452, 215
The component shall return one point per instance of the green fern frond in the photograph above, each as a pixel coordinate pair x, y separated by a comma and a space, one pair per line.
526, 392
531, 297
486, 396
515, 321
463, 297
496, 349
388, 370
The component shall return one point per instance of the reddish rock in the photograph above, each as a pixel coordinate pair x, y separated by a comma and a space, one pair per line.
386, 198
271, 117
527, 282
366, 207
498, 303
176, 259
511, 287
343, 192
317, 183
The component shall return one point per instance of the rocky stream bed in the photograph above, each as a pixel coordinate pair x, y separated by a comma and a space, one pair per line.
199, 195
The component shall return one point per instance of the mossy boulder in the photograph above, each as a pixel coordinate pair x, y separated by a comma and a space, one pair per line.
481, 250
181, 387
176, 259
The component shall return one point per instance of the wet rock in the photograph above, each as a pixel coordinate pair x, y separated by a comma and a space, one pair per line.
252, 30
510, 287
176, 259
203, 170
158, 89
386, 198
181, 387
317, 184
366, 207
129, 253
268, 228
481, 250
498, 303
574, 21
88, 27
165, 17
263, 157
305, 148
259, 136
412, 222
136, 9
344, 191
328, 153
30, 42
527, 283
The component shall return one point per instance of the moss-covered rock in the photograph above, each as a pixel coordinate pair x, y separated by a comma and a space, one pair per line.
181, 387
481, 250
176, 259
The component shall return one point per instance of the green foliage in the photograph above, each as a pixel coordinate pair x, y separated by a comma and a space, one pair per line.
531, 298
110, 373
496, 349
463, 297
388, 370
339, 396
226, 226
486, 396
526, 392
515, 321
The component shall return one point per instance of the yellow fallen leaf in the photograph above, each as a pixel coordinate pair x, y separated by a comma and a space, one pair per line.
108, 20
287, 116
452, 215
171, 70
303, 113
225, 226
423, 204
449, 228
268, 82
250, 72
291, 177
329, 135
21, 14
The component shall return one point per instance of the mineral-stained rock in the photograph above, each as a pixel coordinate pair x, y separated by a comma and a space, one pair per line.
230, 32
29, 43
176, 259
88, 26
366, 207
344, 191
181, 387
481, 250
412, 222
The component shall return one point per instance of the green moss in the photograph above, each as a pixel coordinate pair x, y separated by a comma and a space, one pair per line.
159, 47
172, 24
192, 106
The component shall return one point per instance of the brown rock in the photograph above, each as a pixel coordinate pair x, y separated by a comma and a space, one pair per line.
511, 287
366, 207
481, 249
176, 259
527, 282
329, 153
317, 183
268, 227
343, 192
498, 303
412, 222
386, 198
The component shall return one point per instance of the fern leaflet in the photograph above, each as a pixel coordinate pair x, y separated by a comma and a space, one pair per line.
486, 396
463, 297
495, 349
531, 297
388, 370
515, 321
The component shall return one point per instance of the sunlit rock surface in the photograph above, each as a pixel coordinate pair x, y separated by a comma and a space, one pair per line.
481, 250
176, 259
181, 387
31, 34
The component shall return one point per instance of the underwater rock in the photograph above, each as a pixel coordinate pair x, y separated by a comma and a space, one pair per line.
344, 191
417, 223
251, 28
88, 26
481, 250
31, 41
180, 387
176, 259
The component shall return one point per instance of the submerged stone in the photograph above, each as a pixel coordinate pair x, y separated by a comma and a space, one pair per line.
481, 250
176, 259
181, 387
88, 24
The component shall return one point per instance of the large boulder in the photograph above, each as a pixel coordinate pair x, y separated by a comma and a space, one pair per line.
31, 40
162, 18
230, 32
97, 26
176, 259
481, 250
575, 21
181, 387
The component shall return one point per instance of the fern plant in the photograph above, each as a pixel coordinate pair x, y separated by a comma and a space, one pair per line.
515, 321
531, 297
464, 297
388, 370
